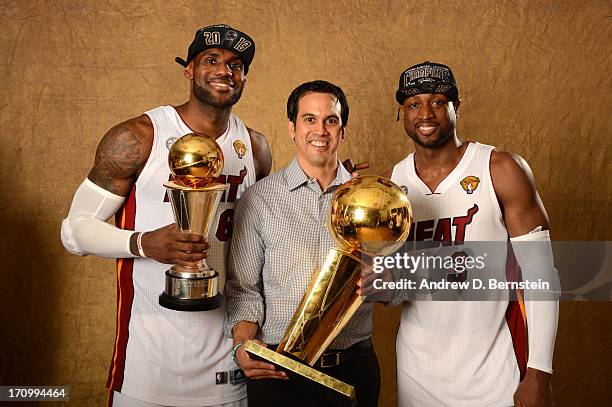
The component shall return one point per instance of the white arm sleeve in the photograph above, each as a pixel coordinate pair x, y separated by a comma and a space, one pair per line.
85, 230
534, 255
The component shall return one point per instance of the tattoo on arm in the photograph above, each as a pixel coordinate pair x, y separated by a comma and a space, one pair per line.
118, 158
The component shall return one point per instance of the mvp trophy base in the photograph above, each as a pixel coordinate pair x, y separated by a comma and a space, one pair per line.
340, 393
191, 293
179, 304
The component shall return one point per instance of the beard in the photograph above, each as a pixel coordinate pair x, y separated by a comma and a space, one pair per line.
434, 143
205, 96
431, 143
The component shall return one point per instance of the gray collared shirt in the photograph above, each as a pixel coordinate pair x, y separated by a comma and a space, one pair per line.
279, 240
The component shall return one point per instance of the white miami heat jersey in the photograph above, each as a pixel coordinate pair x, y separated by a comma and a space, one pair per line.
458, 353
163, 356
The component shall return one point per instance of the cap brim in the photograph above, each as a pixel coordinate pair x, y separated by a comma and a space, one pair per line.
402, 94
181, 61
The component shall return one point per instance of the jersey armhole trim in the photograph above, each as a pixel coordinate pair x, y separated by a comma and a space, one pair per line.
492, 194
153, 152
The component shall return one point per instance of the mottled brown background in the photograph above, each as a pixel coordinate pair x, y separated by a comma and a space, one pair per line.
534, 77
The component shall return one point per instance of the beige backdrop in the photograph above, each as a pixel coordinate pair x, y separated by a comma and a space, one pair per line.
534, 77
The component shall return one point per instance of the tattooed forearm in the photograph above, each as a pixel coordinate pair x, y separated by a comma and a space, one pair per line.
118, 158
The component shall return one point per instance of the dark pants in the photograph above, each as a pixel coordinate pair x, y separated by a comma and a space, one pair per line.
361, 372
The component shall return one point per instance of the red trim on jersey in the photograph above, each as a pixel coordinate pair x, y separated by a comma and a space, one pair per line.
515, 315
124, 219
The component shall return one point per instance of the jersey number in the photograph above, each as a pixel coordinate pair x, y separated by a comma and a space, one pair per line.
458, 277
224, 230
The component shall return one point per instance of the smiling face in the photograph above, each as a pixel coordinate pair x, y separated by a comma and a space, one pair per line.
317, 131
217, 77
429, 119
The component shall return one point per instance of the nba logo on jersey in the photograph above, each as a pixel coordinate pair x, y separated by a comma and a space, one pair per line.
470, 183
221, 377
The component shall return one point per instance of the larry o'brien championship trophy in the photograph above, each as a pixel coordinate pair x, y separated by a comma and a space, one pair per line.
368, 216
195, 161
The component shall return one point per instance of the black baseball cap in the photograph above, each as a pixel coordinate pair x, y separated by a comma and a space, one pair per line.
221, 36
427, 77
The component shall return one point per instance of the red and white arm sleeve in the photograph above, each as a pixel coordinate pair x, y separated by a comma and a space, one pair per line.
85, 230
534, 255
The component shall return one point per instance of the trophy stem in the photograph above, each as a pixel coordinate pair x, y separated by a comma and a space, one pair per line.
328, 305
193, 288
205, 268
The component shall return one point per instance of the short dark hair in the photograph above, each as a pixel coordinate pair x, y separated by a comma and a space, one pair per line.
317, 87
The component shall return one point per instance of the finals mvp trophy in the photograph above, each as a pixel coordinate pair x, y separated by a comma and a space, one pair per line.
195, 161
368, 216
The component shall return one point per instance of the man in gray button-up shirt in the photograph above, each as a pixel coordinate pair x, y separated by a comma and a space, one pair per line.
279, 239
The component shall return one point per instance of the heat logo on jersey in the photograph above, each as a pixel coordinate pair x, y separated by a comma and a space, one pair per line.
224, 229
240, 148
440, 230
470, 183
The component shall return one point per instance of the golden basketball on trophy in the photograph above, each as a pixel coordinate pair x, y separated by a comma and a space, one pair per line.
195, 160
368, 216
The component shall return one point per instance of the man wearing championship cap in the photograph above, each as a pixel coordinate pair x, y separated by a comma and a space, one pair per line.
165, 357
470, 353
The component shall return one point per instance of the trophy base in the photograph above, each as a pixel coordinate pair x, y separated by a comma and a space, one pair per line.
199, 304
339, 393
186, 290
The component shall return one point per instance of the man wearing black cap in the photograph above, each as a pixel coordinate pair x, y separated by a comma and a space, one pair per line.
165, 357
470, 353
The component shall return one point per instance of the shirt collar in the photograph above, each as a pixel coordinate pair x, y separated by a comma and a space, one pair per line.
296, 177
